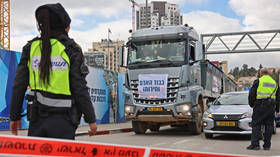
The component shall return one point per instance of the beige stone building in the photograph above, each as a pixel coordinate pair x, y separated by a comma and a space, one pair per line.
110, 49
244, 82
224, 66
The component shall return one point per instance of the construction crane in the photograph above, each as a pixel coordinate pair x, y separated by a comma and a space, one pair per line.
133, 13
5, 24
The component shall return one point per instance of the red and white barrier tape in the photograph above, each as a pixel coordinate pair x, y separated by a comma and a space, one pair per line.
21, 145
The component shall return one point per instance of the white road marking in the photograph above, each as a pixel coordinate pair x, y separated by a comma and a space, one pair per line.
157, 144
182, 141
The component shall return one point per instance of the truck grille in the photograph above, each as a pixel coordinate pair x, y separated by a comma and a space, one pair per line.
172, 90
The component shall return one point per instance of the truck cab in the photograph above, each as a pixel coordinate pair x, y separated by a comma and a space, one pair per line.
166, 79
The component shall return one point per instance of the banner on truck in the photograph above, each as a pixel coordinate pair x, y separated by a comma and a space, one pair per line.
152, 85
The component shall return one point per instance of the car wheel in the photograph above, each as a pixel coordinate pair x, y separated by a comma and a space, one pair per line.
207, 135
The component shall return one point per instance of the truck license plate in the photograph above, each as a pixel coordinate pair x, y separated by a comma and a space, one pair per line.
225, 123
155, 109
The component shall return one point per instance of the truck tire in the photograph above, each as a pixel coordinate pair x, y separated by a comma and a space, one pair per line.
196, 127
139, 127
207, 135
154, 127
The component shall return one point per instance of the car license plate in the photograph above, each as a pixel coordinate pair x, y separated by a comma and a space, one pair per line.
155, 109
225, 123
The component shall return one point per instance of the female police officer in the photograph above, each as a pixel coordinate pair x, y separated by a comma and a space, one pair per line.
51, 67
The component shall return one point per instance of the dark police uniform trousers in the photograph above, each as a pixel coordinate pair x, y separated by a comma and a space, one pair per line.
50, 126
262, 115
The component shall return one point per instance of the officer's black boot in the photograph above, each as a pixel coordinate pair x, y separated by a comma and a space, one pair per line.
252, 147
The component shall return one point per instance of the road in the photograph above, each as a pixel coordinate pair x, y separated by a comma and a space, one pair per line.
181, 139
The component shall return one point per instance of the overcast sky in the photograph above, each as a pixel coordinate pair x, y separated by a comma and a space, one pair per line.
92, 18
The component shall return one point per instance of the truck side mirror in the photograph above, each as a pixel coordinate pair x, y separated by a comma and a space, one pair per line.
122, 56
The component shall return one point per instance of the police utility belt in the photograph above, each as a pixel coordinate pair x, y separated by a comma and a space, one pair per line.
41, 106
266, 102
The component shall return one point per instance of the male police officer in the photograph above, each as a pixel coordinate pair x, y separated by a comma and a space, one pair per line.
263, 97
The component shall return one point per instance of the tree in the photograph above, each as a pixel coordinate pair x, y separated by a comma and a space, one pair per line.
275, 75
260, 67
235, 72
243, 72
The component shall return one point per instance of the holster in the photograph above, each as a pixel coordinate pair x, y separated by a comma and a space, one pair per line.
75, 115
271, 102
32, 108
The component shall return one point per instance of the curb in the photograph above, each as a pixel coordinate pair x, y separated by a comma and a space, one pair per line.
104, 132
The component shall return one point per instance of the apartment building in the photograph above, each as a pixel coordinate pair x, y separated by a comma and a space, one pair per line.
110, 50
159, 13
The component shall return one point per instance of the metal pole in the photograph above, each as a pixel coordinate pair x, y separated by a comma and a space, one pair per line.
146, 13
108, 53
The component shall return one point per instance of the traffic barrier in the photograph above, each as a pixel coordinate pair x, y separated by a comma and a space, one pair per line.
21, 145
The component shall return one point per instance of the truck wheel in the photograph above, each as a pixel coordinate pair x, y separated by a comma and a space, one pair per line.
196, 127
207, 135
139, 127
154, 127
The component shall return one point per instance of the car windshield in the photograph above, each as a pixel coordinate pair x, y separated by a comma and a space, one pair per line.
232, 99
156, 50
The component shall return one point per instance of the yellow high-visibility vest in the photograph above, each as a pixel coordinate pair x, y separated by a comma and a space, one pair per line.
267, 87
59, 73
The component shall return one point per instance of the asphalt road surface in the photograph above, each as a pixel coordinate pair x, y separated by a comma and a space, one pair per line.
181, 139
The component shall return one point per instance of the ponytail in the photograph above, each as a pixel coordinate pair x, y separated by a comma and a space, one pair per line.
43, 20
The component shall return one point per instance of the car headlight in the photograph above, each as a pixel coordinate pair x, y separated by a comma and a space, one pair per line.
207, 115
183, 108
246, 115
129, 109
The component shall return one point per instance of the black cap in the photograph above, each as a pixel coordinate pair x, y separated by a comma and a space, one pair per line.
59, 18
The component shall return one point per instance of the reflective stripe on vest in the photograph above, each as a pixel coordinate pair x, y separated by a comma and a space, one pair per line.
51, 102
60, 67
267, 87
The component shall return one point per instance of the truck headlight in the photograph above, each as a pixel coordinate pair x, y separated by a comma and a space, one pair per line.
129, 109
183, 108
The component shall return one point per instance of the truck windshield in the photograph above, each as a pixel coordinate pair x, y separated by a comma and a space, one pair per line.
150, 51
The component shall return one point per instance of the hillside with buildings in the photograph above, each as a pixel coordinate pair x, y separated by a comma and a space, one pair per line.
245, 76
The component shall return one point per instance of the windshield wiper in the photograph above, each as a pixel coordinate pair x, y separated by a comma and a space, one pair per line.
141, 61
168, 62
156, 60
